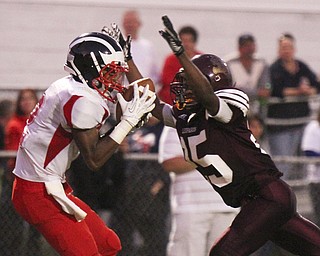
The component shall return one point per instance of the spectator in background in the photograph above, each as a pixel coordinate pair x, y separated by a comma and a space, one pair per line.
198, 214
189, 38
249, 72
142, 208
6, 112
13, 227
257, 127
292, 83
142, 50
310, 146
27, 99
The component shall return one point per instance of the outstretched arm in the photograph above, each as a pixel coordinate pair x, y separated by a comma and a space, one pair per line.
134, 73
196, 80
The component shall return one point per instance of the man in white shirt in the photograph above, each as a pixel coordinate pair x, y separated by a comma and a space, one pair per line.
199, 216
250, 73
310, 145
142, 50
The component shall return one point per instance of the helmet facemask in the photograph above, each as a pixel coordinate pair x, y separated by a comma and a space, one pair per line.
181, 95
110, 80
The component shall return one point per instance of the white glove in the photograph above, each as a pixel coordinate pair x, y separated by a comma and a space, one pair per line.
132, 112
144, 119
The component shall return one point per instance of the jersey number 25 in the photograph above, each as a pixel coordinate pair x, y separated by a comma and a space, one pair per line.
224, 173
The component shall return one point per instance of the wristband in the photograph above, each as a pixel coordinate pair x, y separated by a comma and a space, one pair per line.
120, 131
179, 52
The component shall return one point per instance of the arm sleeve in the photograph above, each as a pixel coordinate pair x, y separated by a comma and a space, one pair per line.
86, 114
224, 114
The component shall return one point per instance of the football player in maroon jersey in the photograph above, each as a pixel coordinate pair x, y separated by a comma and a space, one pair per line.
210, 116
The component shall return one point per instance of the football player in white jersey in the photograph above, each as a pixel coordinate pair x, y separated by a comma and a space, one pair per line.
66, 122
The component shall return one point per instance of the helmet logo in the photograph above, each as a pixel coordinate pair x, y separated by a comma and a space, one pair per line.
217, 71
217, 78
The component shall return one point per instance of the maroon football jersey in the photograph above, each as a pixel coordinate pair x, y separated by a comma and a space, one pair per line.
226, 154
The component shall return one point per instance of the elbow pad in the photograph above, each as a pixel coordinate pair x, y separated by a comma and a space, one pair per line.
167, 115
224, 114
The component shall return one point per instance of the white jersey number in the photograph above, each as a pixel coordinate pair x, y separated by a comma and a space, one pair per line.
216, 161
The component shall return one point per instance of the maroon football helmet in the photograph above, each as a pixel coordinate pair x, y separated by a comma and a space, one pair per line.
213, 67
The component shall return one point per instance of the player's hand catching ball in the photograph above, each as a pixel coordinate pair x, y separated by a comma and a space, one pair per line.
136, 108
132, 107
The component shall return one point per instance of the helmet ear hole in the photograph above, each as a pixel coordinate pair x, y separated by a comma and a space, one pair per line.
217, 78
96, 83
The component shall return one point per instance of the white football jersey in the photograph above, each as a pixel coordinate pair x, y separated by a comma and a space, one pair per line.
47, 147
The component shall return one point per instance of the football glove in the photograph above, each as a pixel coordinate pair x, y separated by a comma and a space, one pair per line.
134, 110
171, 36
144, 119
116, 34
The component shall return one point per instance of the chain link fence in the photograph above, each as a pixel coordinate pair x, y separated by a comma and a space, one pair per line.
131, 193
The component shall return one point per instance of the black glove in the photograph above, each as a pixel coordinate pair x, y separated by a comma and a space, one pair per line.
116, 34
171, 36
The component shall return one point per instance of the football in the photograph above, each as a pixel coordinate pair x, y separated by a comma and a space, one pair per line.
128, 94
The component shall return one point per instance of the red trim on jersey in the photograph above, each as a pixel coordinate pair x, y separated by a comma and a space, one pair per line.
61, 138
105, 116
67, 109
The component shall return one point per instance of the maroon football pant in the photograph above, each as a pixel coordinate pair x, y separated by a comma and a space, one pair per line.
68, 237
270, 216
